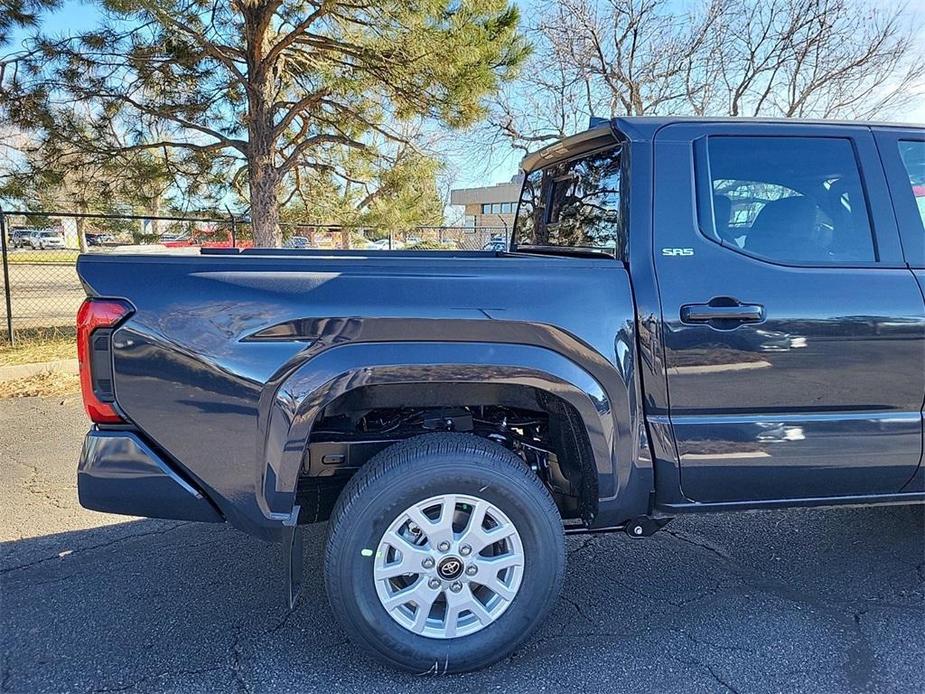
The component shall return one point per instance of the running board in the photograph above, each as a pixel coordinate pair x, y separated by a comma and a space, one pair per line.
644, 526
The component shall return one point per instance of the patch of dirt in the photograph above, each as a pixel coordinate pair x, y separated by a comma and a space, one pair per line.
41, 385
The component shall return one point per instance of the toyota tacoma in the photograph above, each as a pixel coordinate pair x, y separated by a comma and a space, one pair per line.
691, 316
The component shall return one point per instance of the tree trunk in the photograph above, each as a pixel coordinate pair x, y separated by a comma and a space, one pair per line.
264, 185
81, 234
154, 209
262, 172
80, 223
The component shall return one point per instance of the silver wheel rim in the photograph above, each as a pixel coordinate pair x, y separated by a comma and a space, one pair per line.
449, 566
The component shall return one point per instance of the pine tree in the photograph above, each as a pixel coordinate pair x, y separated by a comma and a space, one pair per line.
21, 14
278, 91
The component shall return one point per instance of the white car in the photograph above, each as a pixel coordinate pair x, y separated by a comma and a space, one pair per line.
174, 237
380, 245
42, 240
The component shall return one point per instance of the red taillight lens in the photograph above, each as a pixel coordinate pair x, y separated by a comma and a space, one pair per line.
94, 315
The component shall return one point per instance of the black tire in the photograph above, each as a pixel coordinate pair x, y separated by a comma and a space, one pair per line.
412, 471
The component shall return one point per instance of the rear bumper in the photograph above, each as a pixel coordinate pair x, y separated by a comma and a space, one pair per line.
120, 473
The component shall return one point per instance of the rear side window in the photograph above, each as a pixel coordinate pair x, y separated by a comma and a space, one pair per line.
575, 204
913, 156
787, 199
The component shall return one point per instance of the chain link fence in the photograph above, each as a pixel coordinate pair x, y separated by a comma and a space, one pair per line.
41, 290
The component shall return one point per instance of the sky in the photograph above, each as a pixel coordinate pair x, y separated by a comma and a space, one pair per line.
465, 170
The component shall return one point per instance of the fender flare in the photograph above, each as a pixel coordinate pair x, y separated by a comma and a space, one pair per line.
304, 393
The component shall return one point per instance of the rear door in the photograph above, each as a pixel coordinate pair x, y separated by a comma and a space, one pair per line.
902, 151
794, 331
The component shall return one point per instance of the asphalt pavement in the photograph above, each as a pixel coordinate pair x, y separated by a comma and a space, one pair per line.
785, 601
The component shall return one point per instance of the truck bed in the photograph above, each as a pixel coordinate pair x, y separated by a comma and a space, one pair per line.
213, 337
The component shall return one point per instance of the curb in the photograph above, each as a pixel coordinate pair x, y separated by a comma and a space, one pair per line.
18, 371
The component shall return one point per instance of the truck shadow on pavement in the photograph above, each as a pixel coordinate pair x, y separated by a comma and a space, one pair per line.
802, 600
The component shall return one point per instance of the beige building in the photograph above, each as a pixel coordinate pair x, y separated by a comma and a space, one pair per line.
491, 206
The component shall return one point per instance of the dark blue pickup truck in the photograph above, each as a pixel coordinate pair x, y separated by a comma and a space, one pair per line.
692, 316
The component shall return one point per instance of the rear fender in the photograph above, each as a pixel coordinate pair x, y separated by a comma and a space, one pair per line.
305, 392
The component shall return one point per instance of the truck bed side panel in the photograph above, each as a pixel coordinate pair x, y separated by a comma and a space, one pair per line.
193, 364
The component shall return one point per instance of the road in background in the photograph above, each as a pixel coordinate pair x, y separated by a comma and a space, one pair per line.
44, 295
786, 601
45, 289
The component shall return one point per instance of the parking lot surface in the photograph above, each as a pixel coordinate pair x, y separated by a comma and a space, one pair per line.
44, 295
784, 601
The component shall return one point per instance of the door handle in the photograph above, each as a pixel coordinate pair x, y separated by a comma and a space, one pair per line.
724, 311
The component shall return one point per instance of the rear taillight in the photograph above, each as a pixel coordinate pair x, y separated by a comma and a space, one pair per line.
96, 320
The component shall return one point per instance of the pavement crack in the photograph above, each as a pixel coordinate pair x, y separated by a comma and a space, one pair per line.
81, 550
577, 607
888, 605
281, 623
118, 687
582, 635
696, 542
580, 548
719, 679
711, 644
632, 589
658, 598
35, 486
861, 664
123, 687
708, 593
707, 668
235, 664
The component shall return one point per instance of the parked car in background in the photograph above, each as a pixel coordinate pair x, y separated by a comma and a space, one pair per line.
94, 239
226, 243
694, 315
379, 245
46, 240
497, 245
19, 237
182, 238
297, 242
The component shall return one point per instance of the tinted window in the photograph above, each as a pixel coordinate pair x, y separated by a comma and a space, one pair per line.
788, 199
913, 156
574, 203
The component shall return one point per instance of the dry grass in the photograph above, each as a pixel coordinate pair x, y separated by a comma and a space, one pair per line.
41, 385
24, 257
38, 348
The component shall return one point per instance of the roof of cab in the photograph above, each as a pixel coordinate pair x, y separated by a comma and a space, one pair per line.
642, 128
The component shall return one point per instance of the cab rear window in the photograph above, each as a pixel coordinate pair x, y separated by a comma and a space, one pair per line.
574, 204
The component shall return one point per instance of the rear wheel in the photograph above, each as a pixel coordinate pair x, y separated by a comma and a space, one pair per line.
445, 552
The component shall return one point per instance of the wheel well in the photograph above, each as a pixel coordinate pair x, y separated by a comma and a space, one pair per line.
544, 430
